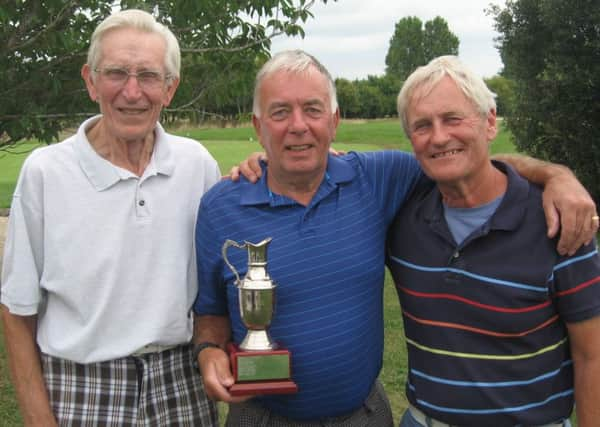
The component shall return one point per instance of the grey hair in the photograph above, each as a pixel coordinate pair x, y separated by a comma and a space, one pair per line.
429, 75
293, 61
139, 20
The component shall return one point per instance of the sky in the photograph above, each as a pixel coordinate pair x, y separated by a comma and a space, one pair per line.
351, 37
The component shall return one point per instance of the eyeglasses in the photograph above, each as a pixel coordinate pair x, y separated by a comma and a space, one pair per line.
147, 79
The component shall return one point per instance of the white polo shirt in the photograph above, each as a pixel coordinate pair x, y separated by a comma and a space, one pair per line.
103, 257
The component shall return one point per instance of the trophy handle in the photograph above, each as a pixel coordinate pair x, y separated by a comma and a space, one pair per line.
226, 245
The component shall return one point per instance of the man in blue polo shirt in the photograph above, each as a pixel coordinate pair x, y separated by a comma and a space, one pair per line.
328, 218
501, 330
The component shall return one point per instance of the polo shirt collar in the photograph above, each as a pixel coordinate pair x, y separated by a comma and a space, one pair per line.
509, 214
102, 174
339, 170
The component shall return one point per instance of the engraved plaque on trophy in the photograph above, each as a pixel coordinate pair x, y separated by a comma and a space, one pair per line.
259, 365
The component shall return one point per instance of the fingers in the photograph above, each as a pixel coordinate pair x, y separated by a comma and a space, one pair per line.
577, 229
250, 169
567, 201
552, 220
217, 376
234, 174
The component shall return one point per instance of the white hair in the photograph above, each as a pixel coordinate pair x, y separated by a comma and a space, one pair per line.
140, 20
293, 61
429, 75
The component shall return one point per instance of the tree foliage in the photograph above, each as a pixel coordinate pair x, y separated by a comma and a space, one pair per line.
414, 44
551, 50
43, 45
504, 89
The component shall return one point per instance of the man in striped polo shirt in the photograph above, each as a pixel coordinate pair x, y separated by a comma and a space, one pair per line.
501, 329
328, 218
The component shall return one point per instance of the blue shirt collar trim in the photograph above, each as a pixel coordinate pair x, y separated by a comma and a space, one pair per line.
339, 170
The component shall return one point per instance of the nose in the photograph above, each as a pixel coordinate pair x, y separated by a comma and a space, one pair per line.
439, 135
131, 89
297, 124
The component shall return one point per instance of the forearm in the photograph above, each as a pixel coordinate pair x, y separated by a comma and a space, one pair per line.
534, 170
215, 329
26, 370
584, 339
587, 390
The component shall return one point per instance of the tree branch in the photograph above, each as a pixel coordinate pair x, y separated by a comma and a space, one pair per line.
59, 17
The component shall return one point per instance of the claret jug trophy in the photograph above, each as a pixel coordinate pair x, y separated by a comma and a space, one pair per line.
259, 364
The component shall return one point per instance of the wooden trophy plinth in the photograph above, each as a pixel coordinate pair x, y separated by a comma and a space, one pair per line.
260, 372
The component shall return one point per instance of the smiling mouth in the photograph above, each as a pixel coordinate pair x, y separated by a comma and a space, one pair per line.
446, 154
298, 147
132, 111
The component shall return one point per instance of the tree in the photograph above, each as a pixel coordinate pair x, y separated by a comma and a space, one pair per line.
413, 45
551, 50
44, 43
347, 96
505, 93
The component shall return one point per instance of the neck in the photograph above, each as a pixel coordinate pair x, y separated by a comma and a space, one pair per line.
299, 189
474, 191
133, 155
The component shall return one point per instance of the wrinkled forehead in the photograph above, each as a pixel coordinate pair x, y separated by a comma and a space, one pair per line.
295, 84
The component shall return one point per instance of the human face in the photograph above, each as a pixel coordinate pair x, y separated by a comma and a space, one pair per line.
296, 126
129, 111
449, 135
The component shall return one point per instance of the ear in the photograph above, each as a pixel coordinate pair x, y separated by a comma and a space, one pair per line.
86, 74
256, 123
336, 122
491, 125
170, 92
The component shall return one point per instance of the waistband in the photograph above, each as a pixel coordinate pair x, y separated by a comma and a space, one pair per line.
427, 421
153, 348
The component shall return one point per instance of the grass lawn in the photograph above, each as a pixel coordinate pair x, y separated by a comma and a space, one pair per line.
229, 146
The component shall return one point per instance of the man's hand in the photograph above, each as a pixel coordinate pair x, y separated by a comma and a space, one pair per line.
249, 167
217, 376
569, 207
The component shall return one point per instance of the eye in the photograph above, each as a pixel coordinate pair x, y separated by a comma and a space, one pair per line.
453, 120
149, 77
420, 127
116, 74
279, 114
313, 111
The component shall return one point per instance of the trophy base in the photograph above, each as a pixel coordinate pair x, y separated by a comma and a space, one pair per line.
265, 387
260, 372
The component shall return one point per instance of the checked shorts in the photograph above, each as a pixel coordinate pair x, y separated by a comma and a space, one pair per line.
152, 389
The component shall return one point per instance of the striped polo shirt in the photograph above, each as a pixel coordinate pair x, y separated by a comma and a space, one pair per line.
485, 320
327, 260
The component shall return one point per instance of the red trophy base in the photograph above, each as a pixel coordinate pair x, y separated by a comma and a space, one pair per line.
260, 372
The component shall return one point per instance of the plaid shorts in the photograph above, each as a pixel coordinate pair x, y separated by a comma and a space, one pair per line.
153, 389
374, 412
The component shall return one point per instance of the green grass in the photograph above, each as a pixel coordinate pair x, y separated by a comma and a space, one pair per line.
229, 146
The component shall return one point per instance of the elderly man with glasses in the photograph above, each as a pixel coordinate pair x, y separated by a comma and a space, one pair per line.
99, 273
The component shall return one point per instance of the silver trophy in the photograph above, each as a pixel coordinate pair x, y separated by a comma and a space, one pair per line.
256, 293
258, 364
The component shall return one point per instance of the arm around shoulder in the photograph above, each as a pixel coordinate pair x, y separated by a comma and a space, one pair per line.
567, 204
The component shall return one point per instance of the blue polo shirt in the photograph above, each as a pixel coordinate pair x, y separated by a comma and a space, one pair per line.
327, 260
485, 321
